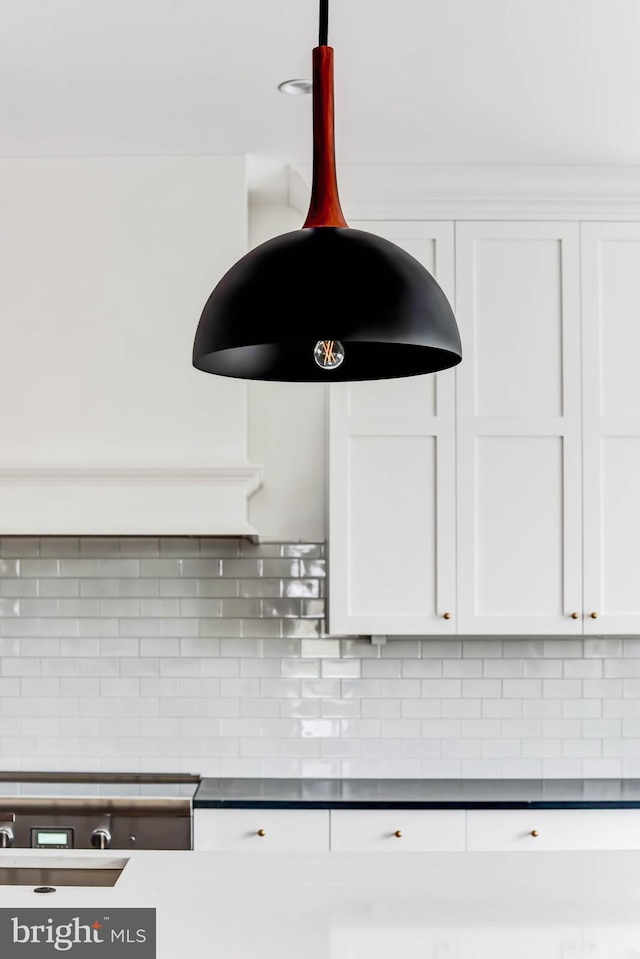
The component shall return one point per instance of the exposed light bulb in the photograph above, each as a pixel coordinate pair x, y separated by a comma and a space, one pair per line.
328, 354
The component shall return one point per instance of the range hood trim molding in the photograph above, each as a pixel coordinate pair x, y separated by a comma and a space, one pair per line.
128, 501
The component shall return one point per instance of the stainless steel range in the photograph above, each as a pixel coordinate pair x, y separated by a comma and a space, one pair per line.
101, 811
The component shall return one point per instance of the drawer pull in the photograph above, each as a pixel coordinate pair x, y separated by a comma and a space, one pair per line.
535, 833
575, 616
261, 832
593, 615
398, 834
447, 616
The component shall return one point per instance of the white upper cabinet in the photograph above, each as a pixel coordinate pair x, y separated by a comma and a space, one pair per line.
391, 481
611, 346
504, 492
518, 428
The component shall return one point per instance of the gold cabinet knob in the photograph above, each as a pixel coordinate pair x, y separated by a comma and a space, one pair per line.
535, 833
261, 832
447, 616
575, 615
398, 834
593, 615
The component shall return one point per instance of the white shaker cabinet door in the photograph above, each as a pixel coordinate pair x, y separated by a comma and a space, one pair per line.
519, 429
392, 483
611, 346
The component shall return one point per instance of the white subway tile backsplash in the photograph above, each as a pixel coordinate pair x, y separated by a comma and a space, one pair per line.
562, 648
382, 668
340, 668
345, 709
582, 709
609, 728
441, 648
602, 769
521, 728
501, 748
120, 687
541, 748
621, 668
521, 769
402, 649
602, 688
481, 688
411, 668
16, 666
441, 729
482, 648
561, 688
521, 688
400, 688
583, 669
543, 668
602, 648
584, 748
240, 688
321, 688
501, 708
562, 768
561, 728
39, 686
441, 688
522, 648
502, 668
300, 668
462, 669
481, 728
185, 653
414, 708
102, 666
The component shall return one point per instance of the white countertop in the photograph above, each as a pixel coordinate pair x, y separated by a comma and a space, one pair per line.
370, 905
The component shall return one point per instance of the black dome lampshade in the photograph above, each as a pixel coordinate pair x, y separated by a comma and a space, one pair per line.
326, 303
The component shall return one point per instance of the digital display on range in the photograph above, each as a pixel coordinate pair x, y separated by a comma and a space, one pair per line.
51, 838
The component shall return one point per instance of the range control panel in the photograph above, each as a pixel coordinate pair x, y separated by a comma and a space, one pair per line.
51, 838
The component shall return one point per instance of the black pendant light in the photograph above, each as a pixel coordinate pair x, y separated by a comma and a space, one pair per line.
326, 303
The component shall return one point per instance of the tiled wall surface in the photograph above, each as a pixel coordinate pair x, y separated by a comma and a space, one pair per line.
207, 655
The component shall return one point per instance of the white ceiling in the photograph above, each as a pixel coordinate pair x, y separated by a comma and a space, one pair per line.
466, 81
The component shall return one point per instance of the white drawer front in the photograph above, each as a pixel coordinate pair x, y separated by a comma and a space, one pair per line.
260, 830
513, 829
421, 830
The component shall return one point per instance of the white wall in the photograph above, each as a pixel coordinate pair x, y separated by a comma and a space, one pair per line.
287, 429
105, 264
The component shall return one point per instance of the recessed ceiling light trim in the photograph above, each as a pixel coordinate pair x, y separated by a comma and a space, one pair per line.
296, 88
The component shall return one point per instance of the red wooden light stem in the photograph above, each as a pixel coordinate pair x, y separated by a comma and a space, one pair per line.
324, 209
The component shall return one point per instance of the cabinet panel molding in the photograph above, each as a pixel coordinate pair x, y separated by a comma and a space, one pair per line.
519, 520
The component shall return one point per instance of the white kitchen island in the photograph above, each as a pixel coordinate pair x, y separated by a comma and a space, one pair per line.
569, 905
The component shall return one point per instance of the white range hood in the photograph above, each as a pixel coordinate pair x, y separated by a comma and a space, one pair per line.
207, 501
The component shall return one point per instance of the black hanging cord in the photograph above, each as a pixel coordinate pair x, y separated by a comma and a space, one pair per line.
324, 23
